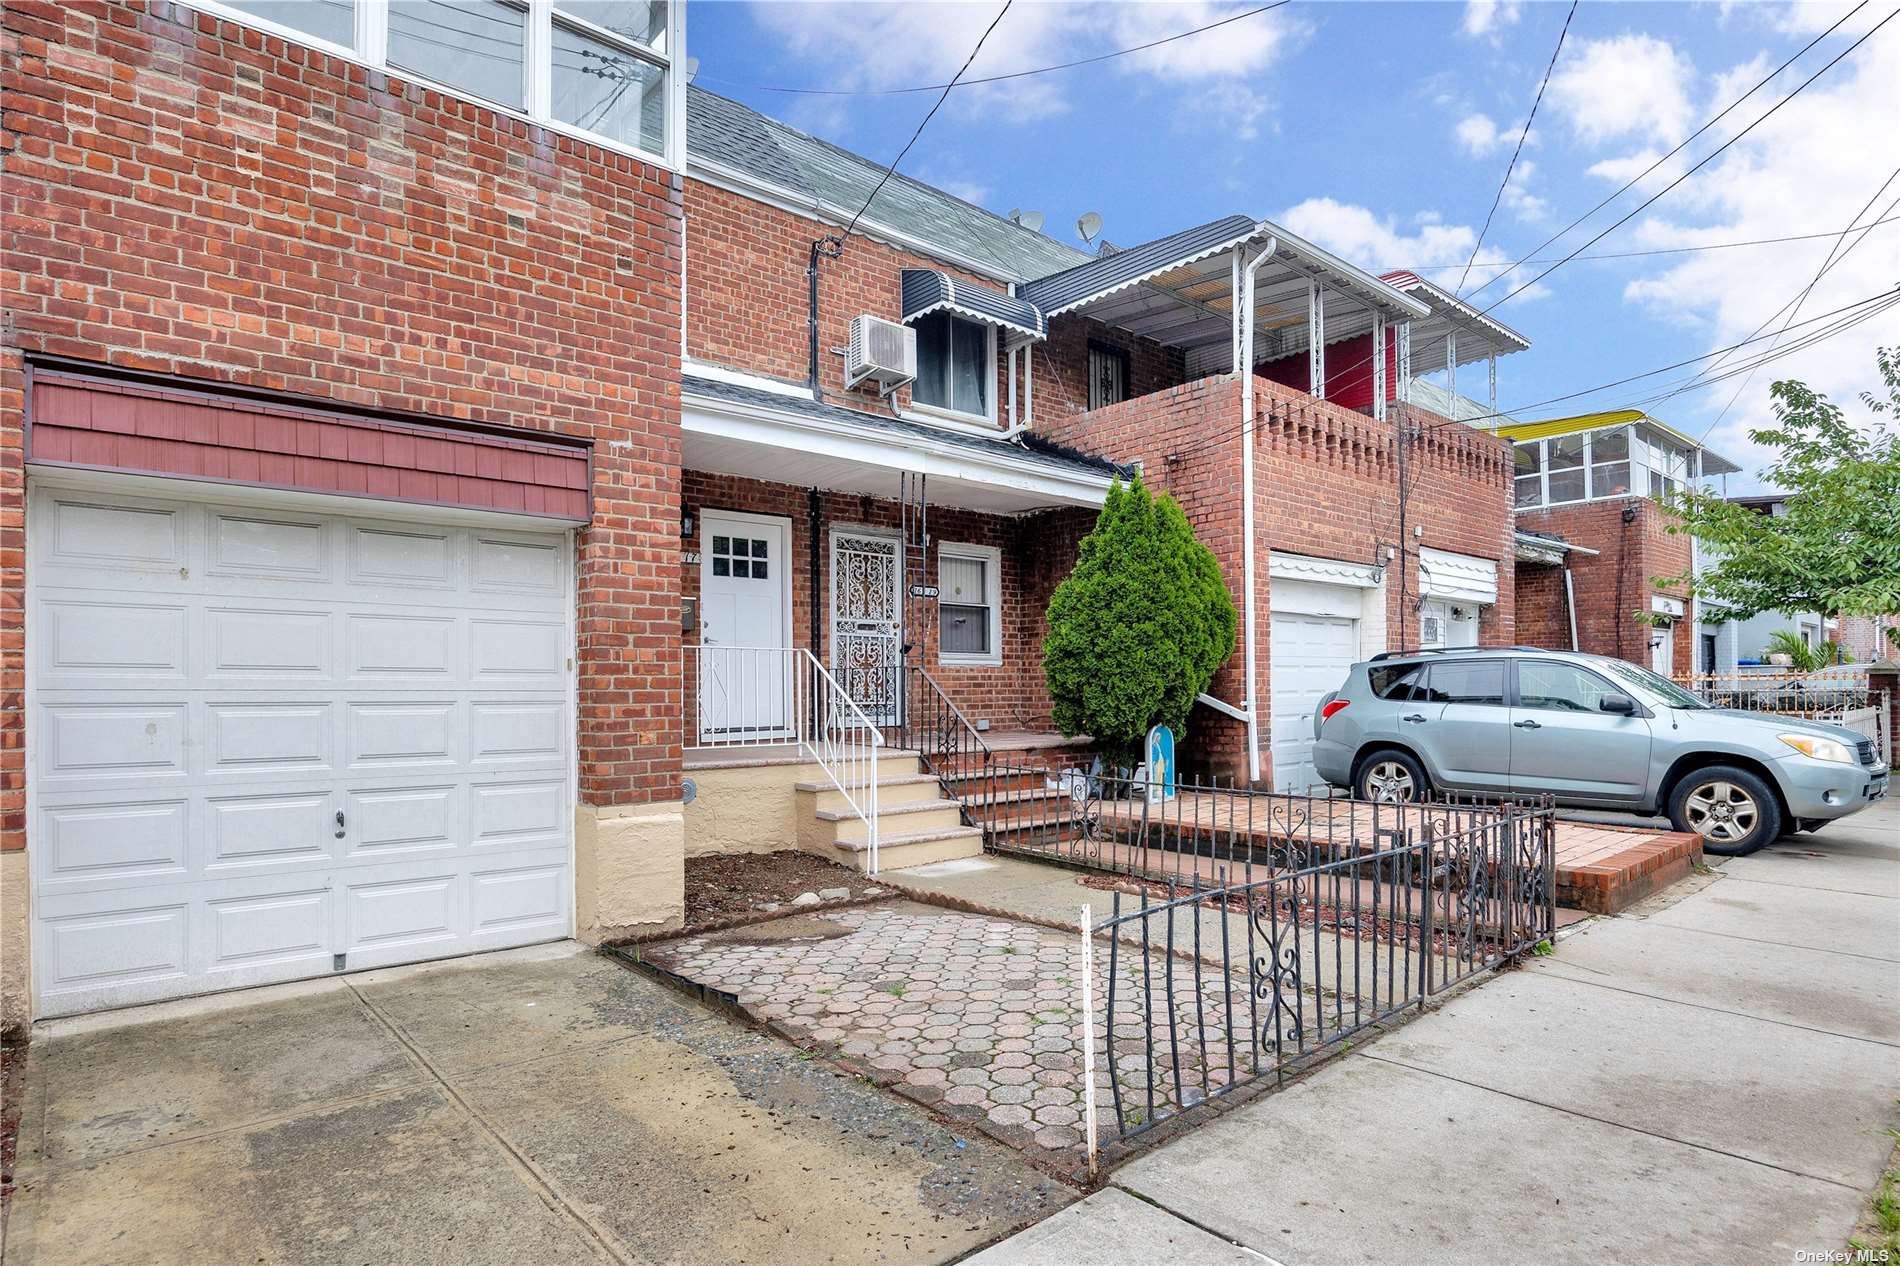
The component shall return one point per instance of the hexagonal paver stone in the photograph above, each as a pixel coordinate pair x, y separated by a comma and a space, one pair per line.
966, 1095
1057, 1137
1009, 1114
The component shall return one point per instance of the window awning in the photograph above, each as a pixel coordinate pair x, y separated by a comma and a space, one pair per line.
926, 290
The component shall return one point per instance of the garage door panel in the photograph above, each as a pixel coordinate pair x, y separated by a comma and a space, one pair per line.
392, 822
212, 685
402, 557
265, 645
268, 547
382, 733
90, 845
1310, 656
384, 648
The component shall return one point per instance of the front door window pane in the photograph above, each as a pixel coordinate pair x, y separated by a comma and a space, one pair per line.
477, 46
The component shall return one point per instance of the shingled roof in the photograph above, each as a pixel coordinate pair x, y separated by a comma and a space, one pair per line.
737, 136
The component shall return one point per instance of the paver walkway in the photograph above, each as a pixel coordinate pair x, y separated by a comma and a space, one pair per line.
1710, 1077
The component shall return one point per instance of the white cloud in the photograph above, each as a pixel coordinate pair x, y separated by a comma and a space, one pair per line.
1518, 199
1484, 17
854, 45
1628, 86
1477, 134
1360, 236
1805, 170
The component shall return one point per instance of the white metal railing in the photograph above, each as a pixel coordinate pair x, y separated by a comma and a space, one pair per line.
773, 696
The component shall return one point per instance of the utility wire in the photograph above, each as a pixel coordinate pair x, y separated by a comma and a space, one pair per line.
1793, 306
1519, 149
944, 96
992, 79
1660, 250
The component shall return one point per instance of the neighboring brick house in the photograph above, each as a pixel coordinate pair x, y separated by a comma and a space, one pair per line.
339, 437
1594, 539
392, 436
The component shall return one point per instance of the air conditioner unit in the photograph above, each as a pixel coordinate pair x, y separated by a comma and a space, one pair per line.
880, 350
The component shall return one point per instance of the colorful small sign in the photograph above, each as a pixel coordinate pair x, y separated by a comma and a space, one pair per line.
1161, 773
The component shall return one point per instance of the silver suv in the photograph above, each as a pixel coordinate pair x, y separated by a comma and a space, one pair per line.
1591, 731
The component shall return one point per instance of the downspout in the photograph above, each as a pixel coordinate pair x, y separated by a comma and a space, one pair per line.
829, 247
1246, 507
1570, 604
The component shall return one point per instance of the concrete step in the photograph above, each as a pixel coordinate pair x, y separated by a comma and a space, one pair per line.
891, 762
893, 789
842, 826
913, 848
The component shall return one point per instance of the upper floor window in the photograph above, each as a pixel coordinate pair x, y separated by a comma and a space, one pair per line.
1618, 461
601, 69
956, 362
1108, 375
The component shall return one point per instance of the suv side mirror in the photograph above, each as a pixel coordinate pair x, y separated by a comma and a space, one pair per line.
1621, 705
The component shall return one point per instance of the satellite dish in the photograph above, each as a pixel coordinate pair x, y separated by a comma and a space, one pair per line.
1031, 220
1015, 215
692, 69
1088, 226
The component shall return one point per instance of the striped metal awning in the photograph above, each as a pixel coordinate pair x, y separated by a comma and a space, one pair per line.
927, 290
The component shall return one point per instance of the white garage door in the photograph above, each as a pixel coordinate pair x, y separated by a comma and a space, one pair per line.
1309, 656
268, 744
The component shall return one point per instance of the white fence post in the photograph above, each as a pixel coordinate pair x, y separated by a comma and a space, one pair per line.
1088, 1036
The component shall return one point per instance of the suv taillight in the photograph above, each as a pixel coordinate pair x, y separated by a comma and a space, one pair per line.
1338, 705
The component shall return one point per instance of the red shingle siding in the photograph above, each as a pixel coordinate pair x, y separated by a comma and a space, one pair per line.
187, 196
1641, 551
104, 425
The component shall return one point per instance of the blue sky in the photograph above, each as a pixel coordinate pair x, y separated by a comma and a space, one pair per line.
1381, 130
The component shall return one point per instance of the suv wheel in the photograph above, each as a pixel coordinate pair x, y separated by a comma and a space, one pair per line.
1733, 810
1390, 777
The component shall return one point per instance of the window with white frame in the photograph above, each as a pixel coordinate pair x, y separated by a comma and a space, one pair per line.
605, 70
969, 605
956, 363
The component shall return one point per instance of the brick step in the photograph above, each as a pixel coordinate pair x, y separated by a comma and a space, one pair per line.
913, 848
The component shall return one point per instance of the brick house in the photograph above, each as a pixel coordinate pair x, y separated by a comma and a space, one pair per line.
416, 468
1594, 538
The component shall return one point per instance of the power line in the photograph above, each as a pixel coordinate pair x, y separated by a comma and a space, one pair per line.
1684, 143
1793, 307
889, 171
991, 79
1660, 250
1519, 149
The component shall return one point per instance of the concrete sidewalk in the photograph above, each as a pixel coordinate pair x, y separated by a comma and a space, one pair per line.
1709, 1077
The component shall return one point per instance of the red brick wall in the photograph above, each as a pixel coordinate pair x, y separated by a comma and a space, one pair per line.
1326, 484
187, 196
1616, 583
1038, 551
1542, 618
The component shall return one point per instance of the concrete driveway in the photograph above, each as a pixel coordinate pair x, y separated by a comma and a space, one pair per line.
544, 1105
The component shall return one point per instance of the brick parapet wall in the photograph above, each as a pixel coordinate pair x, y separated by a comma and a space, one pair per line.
188, 196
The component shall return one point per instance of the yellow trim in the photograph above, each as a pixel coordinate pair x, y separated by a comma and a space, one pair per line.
1592, 422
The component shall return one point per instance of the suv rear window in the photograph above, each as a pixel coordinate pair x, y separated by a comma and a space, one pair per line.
1467, 681
1398, 682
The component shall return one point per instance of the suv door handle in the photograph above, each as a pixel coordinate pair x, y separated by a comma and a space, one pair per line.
1416, 716
1527, 725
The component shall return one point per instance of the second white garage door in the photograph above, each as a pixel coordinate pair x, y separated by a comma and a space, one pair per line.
268, 744
1309, 656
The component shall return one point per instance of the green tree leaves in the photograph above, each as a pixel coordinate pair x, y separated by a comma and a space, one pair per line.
1836, 549
1139, 627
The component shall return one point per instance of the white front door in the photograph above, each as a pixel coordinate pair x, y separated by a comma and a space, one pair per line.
269, 743
1309, 655
866, 620
746, 672
1662, 649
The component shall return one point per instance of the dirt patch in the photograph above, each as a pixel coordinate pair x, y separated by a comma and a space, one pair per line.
12, 1083
727, 886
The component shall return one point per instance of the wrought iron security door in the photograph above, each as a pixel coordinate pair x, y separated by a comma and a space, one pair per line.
866, 622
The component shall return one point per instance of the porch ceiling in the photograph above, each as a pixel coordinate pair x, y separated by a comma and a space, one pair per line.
777, 438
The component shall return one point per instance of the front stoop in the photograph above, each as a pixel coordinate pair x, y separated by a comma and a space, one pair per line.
916, 825
1621, 867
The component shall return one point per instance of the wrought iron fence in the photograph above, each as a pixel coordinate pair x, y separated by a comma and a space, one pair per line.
1291, 949
1840, 695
